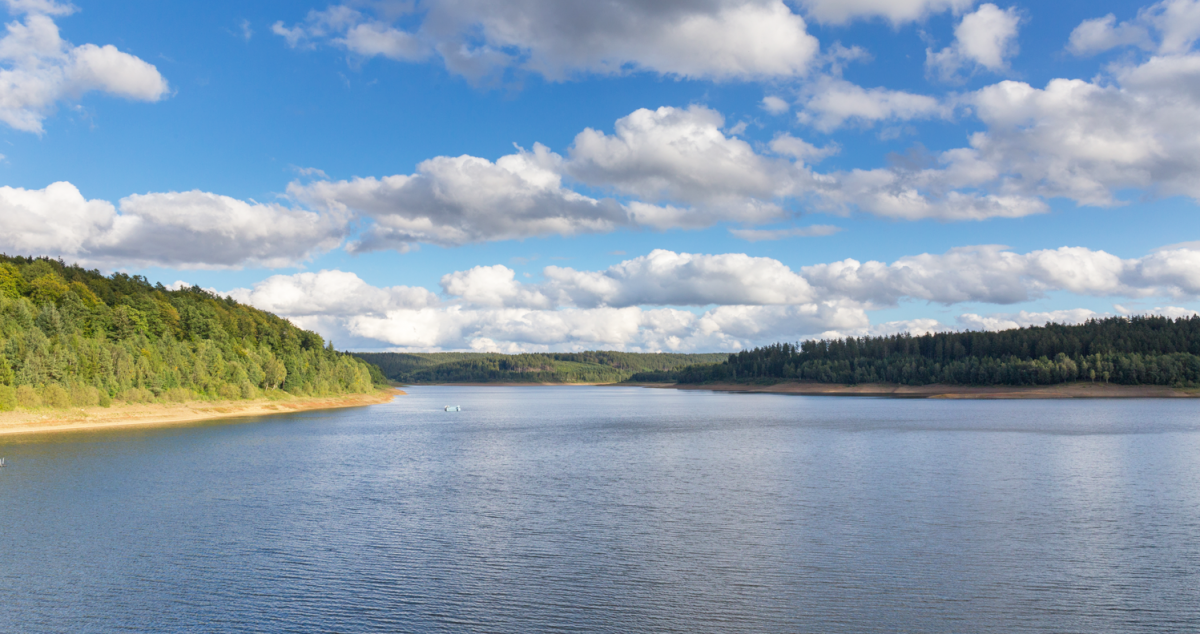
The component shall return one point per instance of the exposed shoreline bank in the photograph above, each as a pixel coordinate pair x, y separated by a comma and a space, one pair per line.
159, 414
993, 392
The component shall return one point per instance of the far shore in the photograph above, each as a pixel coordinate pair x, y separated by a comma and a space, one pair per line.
503, 384
888, 390
1061, 391
31, 421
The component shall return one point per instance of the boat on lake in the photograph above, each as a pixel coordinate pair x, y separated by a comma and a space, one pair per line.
453, 408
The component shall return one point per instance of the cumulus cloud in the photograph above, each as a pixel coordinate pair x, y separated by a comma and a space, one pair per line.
1081, 140
176, 229
355, 32
680, 279
1101, 34
682, 156
895, 11
452, 201
1085, 140
983, 39
630, 328
492, 286
953, 188
995, 275
775, 105
1025, 319
832, 102
38, 68
1175, 22
681, 168
331, 293
679, 165
634, 329
691, 302
720, 39
41, 7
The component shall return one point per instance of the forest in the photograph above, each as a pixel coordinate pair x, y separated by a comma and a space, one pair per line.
74, 337
557, 367
1145, 350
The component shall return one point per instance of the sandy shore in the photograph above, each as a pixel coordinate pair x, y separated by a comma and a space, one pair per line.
1067, 390
87, 418
503, 384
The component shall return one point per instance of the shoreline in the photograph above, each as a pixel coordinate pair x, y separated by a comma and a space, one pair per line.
167, 414
504, 384
886, 390
939, 391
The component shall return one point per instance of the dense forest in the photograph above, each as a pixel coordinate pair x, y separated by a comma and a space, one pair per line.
564, 367
1129, 351
73, 337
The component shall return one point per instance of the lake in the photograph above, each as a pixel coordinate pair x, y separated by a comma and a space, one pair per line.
602, 509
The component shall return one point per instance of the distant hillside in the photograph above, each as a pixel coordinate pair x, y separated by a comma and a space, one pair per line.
1128, 351
565, 367
73, 337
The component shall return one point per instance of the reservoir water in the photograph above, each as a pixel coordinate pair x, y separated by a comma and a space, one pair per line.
599, 509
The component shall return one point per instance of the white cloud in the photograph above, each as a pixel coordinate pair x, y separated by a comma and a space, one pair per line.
630, 328
801, 150
57, 219
1101, 34
895, 11
995, 275
1170, 312
1176, 23
372, 39
680, 160
953, 190
331, 293
38, 68
758, 235
492, 286
1025, 319
833, 102
681, 155
719, 39
41, 7
983, 39
1084, 140
1072, 139
680, 279
915, 327
455, 201
775, 105
183, 230
736, 300
1075, 139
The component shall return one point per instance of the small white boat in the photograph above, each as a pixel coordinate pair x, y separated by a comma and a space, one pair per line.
1, 462
453, 408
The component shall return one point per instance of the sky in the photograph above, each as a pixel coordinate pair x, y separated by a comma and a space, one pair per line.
641, 175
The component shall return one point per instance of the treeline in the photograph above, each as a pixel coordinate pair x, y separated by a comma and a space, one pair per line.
73, 337
1146, 350
558, 367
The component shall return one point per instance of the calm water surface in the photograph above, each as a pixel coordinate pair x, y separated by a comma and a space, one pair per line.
615, 510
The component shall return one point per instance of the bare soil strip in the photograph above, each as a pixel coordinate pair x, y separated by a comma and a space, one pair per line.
88, 418
1066, 390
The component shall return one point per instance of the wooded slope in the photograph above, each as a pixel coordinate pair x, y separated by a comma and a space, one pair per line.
1147, 350
70, 336
564, 367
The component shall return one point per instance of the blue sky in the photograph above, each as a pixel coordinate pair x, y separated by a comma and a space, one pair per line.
547, 175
